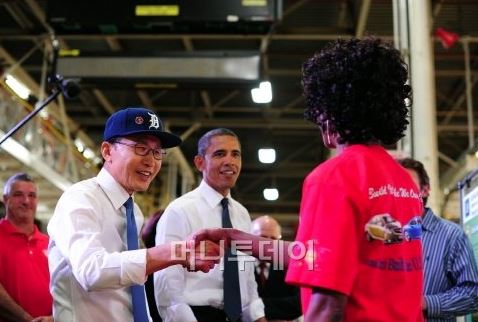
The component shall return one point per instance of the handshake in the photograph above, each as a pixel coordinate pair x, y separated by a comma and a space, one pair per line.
205, 248
202, 250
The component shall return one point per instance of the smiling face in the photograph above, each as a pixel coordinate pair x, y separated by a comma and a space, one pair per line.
21, 202
221, 163
133, 172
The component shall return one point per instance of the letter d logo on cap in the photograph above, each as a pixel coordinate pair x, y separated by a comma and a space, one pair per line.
154, 121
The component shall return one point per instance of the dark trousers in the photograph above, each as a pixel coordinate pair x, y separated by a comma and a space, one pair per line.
209, 314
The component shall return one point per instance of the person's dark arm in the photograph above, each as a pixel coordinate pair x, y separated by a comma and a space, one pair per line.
10, 310
325, 306
259, 247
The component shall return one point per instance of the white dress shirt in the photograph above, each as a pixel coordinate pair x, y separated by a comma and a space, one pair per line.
90, 267
176, 288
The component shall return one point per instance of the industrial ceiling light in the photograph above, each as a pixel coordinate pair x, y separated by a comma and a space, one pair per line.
89, 154
262, 94
267, 155
18, 87
271, 194
79, 145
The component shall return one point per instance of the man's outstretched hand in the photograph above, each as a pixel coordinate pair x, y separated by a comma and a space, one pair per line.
202, 255
256, 246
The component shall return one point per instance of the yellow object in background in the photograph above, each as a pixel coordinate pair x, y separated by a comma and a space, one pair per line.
254, 3
170, 10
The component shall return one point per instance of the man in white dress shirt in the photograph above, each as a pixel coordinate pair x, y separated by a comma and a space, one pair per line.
183, 296
93, 267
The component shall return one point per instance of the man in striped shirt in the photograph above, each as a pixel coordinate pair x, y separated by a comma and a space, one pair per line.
450, 271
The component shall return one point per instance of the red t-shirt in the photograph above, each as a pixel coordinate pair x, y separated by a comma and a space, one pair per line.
353, 211
24, 269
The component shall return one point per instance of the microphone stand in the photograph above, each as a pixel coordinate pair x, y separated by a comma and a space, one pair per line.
27, 118
60, 85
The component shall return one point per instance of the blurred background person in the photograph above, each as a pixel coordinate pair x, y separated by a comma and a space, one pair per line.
2, 210
281, 301
450, 272
24, 275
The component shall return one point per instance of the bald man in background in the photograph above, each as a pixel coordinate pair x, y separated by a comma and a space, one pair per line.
282, 301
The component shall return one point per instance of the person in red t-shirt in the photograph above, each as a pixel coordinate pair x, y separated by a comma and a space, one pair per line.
358, 208
24, 276
357, 255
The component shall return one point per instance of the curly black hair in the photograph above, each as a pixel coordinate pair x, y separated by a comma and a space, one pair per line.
360, 87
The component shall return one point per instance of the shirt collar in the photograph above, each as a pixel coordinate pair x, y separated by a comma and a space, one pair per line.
213, 198
113, 190
429, 220
8, 228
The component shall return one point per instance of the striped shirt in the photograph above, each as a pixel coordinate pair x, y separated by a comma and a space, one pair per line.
451, 275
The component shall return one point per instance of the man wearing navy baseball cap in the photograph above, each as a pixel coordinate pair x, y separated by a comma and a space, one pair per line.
97, 271
138, 120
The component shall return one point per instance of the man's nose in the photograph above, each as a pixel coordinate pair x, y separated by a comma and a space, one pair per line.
149, 158
27, 199
230, 158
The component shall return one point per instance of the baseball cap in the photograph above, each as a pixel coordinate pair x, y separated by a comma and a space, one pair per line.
138, 120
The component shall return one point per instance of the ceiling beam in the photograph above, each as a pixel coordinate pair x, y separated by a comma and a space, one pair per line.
363, 17
231, 122
104, 101
145, 98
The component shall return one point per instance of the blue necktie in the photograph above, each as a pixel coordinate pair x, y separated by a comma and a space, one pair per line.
232, 291
137, 291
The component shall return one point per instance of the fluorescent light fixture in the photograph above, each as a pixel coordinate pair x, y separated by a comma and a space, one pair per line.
267, 155
28, 136
89, 154
79, 145
229, 67
18, 87
262, 94
271, 194
44, 114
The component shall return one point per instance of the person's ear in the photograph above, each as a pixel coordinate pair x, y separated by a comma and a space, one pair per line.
327, 132
329, 137
199, 162
106, 151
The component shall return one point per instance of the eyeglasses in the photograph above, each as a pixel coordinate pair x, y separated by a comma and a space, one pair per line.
143, 150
